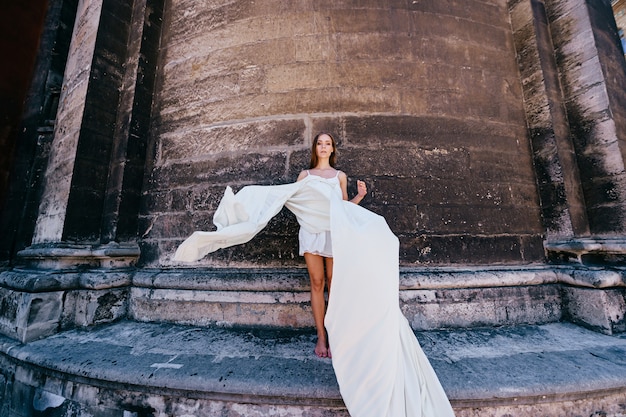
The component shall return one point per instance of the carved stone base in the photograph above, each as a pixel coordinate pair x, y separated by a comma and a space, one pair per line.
587, 251
36, 304
61, 256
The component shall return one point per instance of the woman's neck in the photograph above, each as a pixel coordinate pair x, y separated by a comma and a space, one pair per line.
323, 165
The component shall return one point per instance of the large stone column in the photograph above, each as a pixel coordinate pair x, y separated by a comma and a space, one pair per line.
592, 76
423, 96
573, 77
93, 182
77, 270
562, 201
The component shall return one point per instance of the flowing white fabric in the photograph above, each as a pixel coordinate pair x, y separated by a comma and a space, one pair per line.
379, 364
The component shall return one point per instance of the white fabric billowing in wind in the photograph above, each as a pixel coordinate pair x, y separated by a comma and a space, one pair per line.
380, 367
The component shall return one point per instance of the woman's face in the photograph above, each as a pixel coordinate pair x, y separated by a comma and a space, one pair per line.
324, 146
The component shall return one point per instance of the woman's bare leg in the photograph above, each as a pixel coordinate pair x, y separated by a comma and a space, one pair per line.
329, 273
329, 278
315, 266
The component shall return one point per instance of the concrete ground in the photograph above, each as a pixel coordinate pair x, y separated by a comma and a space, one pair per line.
522, 364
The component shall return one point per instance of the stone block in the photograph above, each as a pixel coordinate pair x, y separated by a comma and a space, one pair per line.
29, 316
51, 404
602, 310
90, 307
429, 132
478, 219
235, 138
469, 250
588, 251
36, 304
226, 308
228, 170
408, 162
496, 306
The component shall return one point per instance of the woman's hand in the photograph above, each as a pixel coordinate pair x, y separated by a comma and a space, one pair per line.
361, 188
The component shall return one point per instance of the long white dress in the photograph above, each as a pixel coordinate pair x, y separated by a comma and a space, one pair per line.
379, 364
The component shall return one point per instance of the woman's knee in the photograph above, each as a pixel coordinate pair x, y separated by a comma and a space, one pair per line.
317, 282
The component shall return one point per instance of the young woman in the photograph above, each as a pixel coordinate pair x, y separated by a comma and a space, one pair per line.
316, 247
379, 364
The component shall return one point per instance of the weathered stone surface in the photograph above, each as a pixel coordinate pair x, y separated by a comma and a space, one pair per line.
37, 304
429, 108
222, 308
499, 249
562, 203
160, 369
211, 141
228, 170
431, 298
410, 91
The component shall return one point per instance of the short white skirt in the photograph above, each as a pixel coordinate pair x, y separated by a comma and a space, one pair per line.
315, 243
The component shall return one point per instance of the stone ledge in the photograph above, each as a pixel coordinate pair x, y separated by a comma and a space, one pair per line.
62, 256
223, 279
296, 279
43, 281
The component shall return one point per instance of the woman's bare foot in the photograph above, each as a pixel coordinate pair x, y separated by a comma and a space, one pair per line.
321, 349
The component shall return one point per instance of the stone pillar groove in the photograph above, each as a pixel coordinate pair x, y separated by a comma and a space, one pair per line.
125, 179
97, 138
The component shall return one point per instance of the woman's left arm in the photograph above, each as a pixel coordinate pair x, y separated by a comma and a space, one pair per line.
361, 188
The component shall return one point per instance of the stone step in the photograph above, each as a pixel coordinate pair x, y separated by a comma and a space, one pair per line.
39, 303
430, 299
130, 369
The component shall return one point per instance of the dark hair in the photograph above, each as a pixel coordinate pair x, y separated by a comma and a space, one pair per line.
333, 156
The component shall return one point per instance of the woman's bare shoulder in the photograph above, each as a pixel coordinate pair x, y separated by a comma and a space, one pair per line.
302, 174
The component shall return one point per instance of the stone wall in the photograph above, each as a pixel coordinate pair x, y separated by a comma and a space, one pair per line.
424, 98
